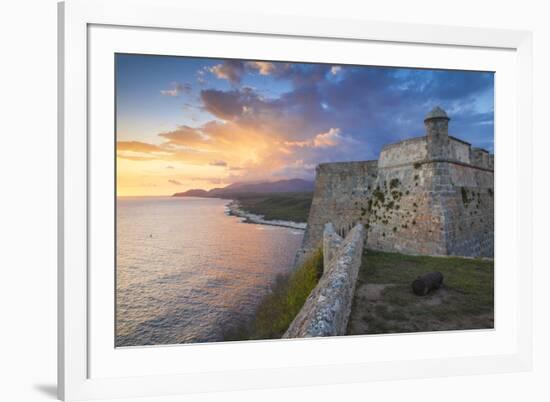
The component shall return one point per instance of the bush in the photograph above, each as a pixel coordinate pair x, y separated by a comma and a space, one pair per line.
283, 303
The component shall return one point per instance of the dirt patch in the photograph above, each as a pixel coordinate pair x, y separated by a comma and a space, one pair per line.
435, 298
372, 292
465, 301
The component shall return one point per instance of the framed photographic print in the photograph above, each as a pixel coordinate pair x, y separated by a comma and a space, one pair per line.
241, 201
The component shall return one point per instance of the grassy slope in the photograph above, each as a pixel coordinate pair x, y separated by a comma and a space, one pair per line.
277, 206
384, 301
282, 304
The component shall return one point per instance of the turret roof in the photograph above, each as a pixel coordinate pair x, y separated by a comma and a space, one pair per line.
437, 113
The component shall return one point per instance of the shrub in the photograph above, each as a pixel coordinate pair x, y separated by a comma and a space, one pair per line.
464, 193
379, 195
279, 307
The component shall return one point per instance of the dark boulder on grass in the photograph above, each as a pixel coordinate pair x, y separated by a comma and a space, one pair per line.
426, 283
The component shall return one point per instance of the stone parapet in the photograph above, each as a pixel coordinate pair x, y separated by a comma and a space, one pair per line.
327, 309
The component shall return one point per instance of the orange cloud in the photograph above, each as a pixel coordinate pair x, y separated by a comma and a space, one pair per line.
136, 146
331, 138
263, 67
218, 163
231, 70
250, 138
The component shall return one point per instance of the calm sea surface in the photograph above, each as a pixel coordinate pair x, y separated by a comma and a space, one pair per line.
187, 272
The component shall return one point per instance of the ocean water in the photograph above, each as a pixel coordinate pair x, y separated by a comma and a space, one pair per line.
187, 272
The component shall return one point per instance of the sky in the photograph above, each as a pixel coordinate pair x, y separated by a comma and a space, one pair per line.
184, 123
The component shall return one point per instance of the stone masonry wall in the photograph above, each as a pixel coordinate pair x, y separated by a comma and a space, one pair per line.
469, 212
341, 197
327, 309
430, 195
417, 208
404, 216
459, 150
433, 208
404, 152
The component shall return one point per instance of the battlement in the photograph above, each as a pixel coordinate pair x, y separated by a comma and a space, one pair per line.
417, 150
404, 152
339, 167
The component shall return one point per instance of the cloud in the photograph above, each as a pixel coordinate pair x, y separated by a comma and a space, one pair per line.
136, 158
299, 74
225, 105
175, 182
136, 146
176, 90
230, 70
187, 138
218, 163
306, 74
212, 180
295, 115
297, 169
319, 118
331, 138
263, 67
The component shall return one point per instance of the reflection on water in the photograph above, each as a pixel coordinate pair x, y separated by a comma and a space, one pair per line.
186, 272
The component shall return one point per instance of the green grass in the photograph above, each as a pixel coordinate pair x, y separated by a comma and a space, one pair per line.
282, 304
277, 206
464, 302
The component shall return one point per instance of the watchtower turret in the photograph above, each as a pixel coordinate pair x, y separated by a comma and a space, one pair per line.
437, 131
437, 122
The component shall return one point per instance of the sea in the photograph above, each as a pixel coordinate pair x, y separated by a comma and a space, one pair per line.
189, 272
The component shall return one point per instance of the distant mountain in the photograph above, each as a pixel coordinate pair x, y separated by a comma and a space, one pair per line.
192, 193
281, 186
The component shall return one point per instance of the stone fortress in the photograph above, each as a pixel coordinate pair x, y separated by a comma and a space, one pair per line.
429, 195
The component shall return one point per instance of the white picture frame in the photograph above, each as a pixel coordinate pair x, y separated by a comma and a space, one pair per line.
78, 377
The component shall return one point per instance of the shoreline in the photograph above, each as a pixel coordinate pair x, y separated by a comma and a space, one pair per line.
232, 208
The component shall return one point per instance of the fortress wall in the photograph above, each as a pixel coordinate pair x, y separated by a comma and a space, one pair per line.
469, 212
459, 150
429, 195
421, 210
327, 309
404, 217
415, 208
469, 176
480, 157
469, 222
408, 151
341, 197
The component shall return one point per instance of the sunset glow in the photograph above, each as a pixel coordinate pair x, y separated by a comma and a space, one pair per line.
185, 123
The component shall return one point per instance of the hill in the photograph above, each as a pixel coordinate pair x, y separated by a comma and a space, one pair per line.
281, 186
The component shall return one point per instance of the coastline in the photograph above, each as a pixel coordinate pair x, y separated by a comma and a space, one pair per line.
233, 208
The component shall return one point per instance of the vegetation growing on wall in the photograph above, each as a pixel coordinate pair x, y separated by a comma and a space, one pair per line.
282, 304
464, 193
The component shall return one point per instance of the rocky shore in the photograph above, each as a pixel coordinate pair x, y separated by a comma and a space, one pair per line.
233, 208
